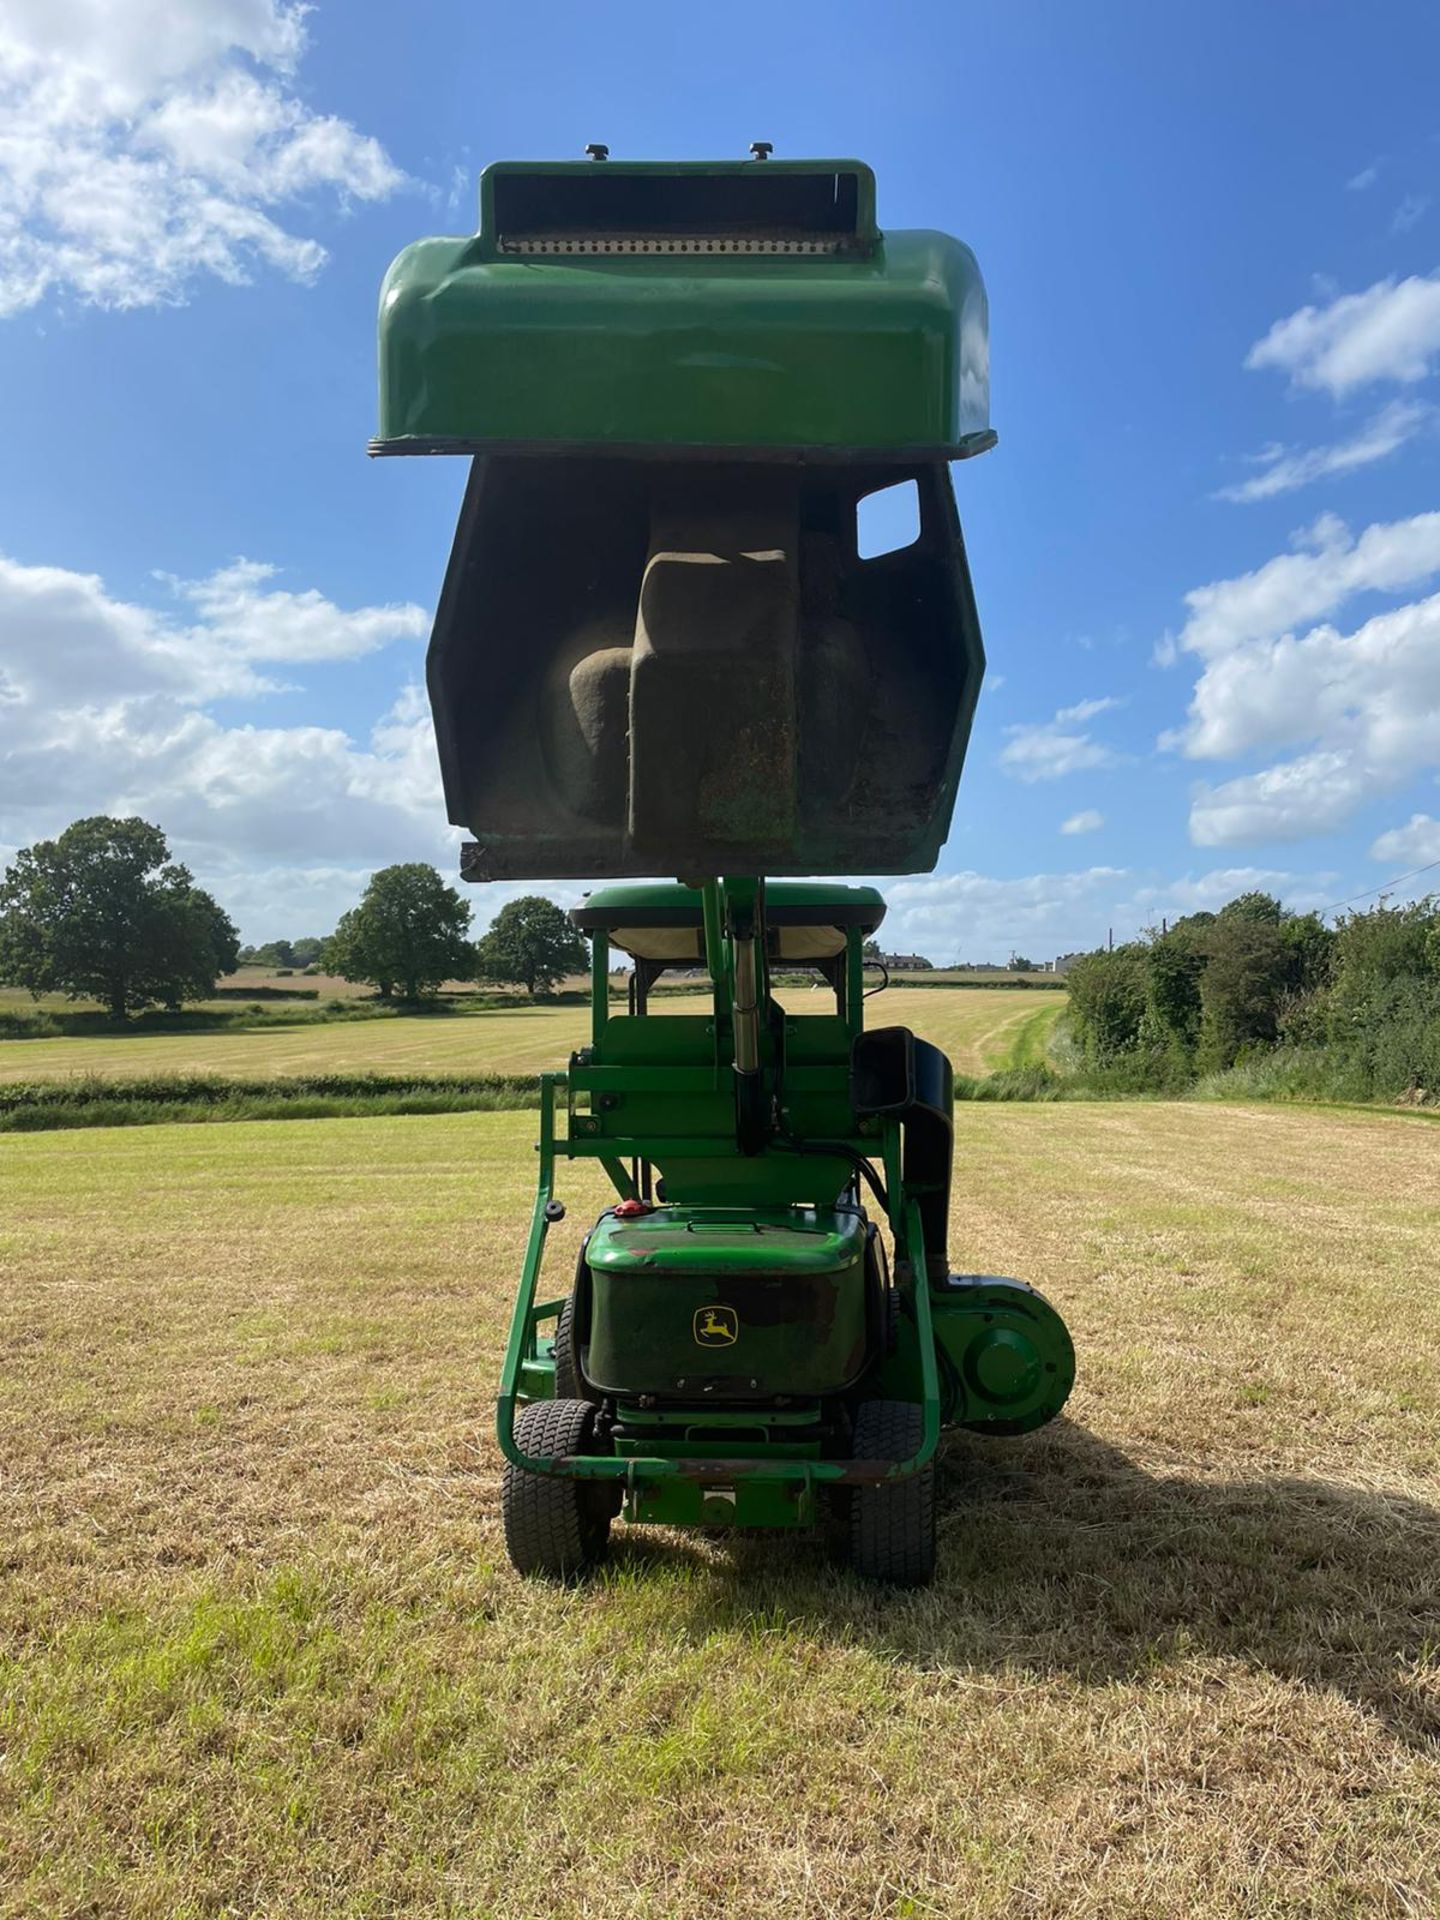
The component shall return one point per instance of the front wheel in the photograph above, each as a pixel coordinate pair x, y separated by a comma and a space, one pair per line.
892, 1525
555, 1525
568, 1384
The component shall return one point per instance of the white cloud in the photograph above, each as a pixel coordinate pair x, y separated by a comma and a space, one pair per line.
277, 794
65, 641
1282, 469
1367, 176
1362, 708
1328, 569
977, 916
277, 902
102, 709
1411, 210
459, 190
300, 793
1087, 821
1291, 801
1049, 749
1379, 685
145, 145
119, 55
1417, 843
1391, 331
275, 624
1205, 892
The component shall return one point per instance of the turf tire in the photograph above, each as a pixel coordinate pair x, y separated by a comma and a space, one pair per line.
892, 1527
568, 1385
555, 1526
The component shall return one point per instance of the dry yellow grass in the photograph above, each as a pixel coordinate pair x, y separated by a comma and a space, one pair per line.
262, 1653
974, 1026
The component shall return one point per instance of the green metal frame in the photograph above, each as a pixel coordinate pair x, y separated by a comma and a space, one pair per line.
776, 1484
523, 1347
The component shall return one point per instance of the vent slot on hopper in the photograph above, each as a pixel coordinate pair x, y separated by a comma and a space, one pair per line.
609, 209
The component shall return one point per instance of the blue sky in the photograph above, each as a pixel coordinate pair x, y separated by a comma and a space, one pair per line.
1206, 550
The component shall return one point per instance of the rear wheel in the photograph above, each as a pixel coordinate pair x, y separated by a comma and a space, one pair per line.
892, 1526
555, 1525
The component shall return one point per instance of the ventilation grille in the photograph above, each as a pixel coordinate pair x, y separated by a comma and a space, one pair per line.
690, 243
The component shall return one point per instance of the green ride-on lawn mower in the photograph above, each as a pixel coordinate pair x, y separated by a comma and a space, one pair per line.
660, 650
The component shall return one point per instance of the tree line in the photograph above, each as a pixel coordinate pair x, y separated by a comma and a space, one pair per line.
292, 956
103, 913
1344, 1012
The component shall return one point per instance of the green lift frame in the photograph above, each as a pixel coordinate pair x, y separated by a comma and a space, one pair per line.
984, 1352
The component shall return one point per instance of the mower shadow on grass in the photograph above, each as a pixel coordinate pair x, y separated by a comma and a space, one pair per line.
1059, 1556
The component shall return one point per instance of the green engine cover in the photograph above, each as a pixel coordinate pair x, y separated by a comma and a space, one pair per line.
694, 1304
1011, 1359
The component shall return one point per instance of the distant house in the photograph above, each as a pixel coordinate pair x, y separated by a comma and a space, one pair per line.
1063, 962
906, 963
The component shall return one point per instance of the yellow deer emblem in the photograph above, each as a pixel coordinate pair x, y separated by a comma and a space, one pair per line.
716, 1326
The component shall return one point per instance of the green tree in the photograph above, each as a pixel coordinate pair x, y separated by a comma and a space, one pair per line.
1175, 965
1243, 989
1266, 973
1387, 943
1107, 1001
1383, 1010
1020, 964
306, 952
533, 944
274, 953
1262, 909
102, 912
408, 932
1310, 945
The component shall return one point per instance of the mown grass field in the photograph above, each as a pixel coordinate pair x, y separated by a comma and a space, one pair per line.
975, 1026
262, 1653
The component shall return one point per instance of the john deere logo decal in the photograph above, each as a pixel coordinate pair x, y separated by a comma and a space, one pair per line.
716, 1326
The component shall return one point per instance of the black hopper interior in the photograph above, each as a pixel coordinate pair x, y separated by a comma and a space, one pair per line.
656, 666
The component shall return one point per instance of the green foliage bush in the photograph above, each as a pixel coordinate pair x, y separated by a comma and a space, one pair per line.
1107, 1002
1257, 1000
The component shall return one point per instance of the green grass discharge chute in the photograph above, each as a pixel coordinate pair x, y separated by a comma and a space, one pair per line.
659, 650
